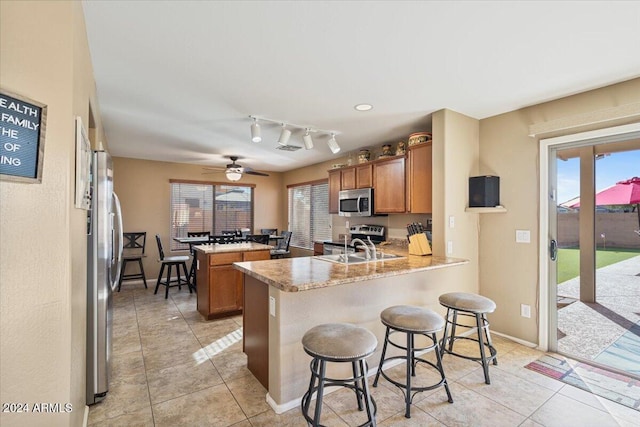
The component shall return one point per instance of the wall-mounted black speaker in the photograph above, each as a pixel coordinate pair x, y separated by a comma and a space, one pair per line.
484, 191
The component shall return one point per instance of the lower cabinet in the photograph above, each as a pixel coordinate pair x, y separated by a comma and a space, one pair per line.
220, 291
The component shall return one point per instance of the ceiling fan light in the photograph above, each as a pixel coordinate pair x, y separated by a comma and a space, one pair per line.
285, 134
308, 141
333, 144
255, 132
233, 175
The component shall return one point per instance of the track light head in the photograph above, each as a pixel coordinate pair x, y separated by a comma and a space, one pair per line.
333, 144
255, 131
284, 135
308, 141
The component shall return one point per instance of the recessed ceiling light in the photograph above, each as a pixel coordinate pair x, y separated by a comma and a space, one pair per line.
363, 107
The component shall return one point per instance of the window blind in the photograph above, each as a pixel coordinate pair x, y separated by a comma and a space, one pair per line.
197, 207
309, 214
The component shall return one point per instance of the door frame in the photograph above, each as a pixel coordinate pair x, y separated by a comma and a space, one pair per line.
609, 134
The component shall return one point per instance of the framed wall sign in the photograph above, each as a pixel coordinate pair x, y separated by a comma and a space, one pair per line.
23, 124
83, 167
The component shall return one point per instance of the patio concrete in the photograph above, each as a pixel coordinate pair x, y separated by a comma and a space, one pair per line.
607, 331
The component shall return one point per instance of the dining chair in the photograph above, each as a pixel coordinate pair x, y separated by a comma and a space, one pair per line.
192, 270
258, 238
133, 251
282, 248
269, 231
223, 239
170, 262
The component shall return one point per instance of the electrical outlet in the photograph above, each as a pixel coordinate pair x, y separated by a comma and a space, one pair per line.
272, 306
449, 247
525, 310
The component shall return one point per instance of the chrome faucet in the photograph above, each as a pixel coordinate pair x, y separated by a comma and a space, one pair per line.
362, 245
373, 248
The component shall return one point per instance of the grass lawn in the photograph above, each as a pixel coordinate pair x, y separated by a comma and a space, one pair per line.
569, 262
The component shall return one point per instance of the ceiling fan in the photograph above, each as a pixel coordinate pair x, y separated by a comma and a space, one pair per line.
234, 171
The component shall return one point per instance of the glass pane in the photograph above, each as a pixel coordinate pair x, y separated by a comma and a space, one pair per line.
233, 208
191, 211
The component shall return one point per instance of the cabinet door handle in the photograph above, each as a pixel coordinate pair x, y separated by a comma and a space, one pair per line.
553, 250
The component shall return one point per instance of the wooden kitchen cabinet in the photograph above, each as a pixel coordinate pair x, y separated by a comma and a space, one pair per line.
360, 176
219, 284
318, 248
389, 186
419, 179
348, 178
335, 178
364, 176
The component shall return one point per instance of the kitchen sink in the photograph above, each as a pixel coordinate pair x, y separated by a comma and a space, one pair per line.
357, 258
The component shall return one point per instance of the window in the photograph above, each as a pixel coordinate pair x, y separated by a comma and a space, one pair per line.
204, 206
309, 213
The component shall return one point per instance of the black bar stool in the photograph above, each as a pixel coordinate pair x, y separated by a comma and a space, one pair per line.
412, 321
469, 305
339, 342
172, 261
133, 251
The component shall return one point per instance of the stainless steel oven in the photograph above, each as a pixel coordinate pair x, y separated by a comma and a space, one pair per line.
356, 202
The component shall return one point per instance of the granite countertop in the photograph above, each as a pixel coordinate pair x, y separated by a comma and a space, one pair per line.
306, 273
232, 247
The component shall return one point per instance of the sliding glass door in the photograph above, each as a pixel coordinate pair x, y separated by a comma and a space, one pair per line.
594, 250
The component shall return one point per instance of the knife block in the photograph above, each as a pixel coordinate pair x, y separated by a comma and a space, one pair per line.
419, 245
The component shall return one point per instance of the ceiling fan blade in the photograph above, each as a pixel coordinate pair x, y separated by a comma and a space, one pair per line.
213, 168
252, 172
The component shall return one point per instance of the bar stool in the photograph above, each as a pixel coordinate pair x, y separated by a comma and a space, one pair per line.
172, 261
133, 251
412, 321
469, 305
339, 342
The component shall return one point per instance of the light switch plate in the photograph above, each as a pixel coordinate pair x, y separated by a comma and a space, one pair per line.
525, 310
523, 236
452, 221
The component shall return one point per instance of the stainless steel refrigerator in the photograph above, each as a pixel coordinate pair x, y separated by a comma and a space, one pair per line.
104, 261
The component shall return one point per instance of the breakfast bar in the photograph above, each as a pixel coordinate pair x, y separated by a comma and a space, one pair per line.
284, 298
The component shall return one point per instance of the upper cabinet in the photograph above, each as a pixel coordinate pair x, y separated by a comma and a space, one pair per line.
360, 176
389, 186
419, 178
401, 183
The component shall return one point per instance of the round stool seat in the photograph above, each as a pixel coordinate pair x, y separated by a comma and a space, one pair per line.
411, 318
467, 302
339, 342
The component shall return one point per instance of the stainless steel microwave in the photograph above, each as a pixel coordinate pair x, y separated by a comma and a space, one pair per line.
356, 202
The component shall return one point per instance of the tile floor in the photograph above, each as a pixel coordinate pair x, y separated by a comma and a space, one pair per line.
172, 368
607, 331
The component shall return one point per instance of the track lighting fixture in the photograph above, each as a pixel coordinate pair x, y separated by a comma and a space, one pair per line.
255, 131
306, 138
284, 135
288, 128
333, 144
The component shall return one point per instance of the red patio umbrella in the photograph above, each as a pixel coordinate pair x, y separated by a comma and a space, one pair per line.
625, 192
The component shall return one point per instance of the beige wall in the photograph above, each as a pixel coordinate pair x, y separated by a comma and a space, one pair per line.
509, 270
43, 246
144, 192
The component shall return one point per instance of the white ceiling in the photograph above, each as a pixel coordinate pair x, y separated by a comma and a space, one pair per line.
177, 80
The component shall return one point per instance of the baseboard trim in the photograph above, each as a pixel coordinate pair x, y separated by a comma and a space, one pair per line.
85, 418
518, 340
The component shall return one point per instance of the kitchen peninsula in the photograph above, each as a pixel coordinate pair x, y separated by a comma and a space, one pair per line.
219, 285
284, 298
